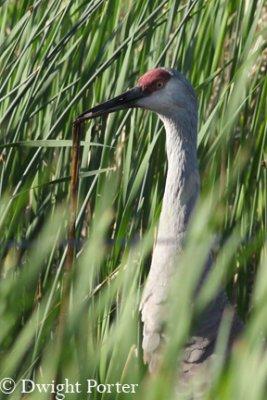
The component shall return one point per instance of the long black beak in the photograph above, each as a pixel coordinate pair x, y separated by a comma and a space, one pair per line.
125, 100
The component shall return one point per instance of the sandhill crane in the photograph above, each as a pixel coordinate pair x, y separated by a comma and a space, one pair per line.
170, 95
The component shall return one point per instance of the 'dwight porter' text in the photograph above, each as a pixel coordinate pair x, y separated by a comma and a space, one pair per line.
67, 387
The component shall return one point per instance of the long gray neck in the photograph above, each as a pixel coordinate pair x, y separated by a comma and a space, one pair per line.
182, 184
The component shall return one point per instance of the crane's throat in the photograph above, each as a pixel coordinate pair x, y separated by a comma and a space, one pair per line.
182, 185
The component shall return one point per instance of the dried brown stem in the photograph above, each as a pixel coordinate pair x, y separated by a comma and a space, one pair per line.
75, 152
71, 247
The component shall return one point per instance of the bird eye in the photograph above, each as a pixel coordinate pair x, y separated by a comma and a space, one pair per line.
159, 84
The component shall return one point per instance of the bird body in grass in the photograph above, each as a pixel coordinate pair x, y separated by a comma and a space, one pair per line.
170, 95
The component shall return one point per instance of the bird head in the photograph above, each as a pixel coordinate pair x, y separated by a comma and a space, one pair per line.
164, 91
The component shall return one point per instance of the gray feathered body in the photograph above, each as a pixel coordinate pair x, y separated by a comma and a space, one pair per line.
180, 196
